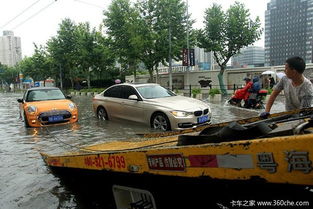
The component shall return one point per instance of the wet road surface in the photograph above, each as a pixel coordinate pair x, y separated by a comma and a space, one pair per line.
25, 181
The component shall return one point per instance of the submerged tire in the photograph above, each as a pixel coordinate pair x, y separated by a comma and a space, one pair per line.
102, 114
161, 122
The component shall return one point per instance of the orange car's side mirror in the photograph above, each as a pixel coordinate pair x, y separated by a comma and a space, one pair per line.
20, 100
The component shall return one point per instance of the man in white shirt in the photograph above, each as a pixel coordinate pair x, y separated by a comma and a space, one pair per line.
298, 89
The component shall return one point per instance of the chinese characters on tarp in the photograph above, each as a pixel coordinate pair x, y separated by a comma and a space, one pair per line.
297, 161
191, 60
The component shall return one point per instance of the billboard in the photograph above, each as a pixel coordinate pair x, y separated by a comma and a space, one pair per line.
192, 57
185, 57
188, 60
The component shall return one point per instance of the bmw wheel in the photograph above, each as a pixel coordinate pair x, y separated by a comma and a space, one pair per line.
160, 122
102, 114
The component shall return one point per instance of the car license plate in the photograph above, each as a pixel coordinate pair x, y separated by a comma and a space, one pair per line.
203, 119
55, 118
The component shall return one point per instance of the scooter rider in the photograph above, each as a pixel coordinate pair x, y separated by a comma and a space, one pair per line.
256, 87
242, 94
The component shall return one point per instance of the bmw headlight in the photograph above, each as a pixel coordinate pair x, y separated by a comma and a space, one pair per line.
31, 109
72, 106
180, 113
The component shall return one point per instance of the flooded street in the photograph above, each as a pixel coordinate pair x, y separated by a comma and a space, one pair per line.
25, 181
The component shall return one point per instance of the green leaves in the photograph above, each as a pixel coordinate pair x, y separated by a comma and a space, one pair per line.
122, 23
140, 32
79, 52
165, 23
8, 74
149, 32
225, 33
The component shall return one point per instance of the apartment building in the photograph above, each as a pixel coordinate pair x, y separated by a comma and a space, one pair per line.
10, 49
288, 31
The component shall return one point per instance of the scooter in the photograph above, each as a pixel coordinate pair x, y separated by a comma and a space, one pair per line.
255, 100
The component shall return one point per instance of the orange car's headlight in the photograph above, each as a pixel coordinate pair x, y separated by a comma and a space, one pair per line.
72, 106
31, 109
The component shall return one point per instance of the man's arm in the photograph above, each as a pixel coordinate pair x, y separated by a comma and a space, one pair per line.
271, 100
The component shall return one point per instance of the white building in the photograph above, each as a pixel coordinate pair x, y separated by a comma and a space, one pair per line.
203, 59
10, 49
251, 56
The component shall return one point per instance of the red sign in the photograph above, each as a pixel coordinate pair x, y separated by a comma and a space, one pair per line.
203, 161
175, 162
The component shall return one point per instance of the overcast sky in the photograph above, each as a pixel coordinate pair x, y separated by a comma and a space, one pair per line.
36, 21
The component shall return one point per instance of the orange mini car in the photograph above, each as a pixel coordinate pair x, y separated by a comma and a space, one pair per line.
42, 106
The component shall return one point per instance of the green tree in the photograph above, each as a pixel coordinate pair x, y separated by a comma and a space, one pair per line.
146, 38
94, 53
63, 51
8, 74
104, 58
162, 31
76, 52
37, 66
226, 33
120, 20
152, 31
86, 44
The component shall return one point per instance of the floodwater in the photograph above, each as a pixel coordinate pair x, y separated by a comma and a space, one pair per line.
25, 181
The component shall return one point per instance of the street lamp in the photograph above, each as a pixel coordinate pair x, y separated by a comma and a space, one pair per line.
188, 48
170, 57
61, 77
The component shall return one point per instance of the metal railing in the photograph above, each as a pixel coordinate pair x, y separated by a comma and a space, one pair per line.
188, 89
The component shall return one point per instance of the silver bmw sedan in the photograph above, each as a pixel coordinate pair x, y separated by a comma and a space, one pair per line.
151, 104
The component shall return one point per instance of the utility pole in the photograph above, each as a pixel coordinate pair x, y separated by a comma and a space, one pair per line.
61, 80
188, 48
212, 60
170, 57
